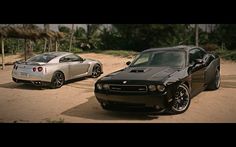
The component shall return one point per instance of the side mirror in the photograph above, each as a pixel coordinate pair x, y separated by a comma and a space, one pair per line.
128, 63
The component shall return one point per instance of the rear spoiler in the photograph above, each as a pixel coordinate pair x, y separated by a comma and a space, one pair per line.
28, 63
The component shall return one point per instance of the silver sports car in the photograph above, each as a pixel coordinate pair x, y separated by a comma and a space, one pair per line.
54, 68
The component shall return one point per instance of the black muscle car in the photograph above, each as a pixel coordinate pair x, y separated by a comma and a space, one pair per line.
163, 78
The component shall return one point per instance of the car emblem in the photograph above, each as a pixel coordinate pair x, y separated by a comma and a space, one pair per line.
124, 82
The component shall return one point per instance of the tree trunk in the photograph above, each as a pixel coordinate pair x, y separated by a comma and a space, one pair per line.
25, 49
18, 44
56, 45
196, 35
46, 29
30, 48
45, 45
71, 37
2, 42
50, 45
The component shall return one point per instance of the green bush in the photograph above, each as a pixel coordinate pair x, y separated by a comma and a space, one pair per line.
77, 50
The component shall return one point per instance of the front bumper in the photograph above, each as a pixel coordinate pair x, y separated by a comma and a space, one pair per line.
146, 100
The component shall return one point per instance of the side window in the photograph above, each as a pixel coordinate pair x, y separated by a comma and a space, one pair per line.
195, 54
70, 58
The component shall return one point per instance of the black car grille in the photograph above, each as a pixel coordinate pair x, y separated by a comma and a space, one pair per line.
128, 88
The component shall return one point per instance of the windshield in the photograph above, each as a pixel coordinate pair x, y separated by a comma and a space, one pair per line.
45, 58
160, 58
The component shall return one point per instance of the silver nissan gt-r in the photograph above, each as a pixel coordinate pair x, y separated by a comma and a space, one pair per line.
54, 68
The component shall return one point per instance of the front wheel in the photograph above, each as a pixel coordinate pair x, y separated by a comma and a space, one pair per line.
58, 80
181, 100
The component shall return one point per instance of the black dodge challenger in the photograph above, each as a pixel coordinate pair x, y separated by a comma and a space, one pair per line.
162, 78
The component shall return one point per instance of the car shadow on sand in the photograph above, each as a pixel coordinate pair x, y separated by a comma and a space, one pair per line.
13, 85
92, 110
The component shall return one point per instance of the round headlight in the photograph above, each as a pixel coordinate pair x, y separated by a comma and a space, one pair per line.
160, 88
152, 87
106, 86
99, 86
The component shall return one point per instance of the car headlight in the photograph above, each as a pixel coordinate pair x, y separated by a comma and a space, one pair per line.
161, 88
106, 86
152, 88
99, 86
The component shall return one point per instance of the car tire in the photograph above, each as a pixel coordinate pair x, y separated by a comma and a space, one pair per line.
181, 100
58, 80
215, 84
97, 71
106, 106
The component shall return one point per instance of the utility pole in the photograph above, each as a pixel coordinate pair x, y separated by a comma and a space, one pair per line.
196, 34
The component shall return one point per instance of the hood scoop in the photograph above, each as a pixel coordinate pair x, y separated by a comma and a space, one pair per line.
141, 70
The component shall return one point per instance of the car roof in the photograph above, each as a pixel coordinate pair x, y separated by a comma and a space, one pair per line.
57, 53
180, 47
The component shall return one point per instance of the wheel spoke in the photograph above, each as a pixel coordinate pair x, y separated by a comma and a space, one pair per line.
181, 99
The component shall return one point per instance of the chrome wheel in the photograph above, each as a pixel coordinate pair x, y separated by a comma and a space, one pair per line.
181, 100
96, 71
58, 80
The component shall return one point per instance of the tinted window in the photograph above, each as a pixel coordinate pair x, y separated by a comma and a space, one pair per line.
42, 58
143, 59
71, 58
161, 58
195, 54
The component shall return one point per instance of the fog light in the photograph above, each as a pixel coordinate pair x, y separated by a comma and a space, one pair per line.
160, 88
99, 86
106, 86
152, 87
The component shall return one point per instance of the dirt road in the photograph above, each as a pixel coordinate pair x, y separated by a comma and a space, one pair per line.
75, 102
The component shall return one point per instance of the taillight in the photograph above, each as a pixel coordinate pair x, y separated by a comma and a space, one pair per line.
34, 69
40, 69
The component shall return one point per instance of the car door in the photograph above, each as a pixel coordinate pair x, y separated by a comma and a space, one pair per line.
198, 71
77, 66
210, 68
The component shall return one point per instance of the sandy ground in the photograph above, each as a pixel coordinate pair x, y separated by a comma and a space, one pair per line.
75, 102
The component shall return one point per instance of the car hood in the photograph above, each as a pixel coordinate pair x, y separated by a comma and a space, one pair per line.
143, 73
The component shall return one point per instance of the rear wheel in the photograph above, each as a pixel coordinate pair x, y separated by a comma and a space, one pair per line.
58, 80
181, 100
215, 84
97, 70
